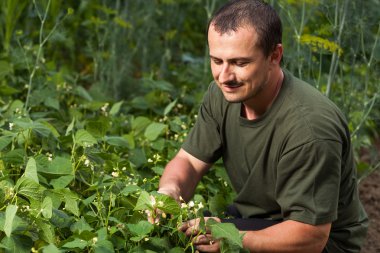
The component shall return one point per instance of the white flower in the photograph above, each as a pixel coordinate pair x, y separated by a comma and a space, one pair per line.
87, 162
104, 107
11, 126
115, 174
200, 205
94, 240
152, 200
191, 204
183, 205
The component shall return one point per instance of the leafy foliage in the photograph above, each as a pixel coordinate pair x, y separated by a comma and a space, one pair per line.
97, 96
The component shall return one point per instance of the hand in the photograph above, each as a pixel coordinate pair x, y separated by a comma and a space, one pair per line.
203, 242
155, 214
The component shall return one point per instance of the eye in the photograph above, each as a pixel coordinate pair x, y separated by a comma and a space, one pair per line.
217, 61
241, 63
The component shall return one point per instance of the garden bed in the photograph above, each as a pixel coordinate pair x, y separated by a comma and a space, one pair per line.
370, 195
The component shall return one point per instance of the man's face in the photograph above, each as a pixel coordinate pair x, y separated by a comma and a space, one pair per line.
239, 67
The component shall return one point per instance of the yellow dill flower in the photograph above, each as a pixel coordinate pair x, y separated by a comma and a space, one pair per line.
320, 44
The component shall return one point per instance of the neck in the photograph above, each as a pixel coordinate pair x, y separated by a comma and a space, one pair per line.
265, 100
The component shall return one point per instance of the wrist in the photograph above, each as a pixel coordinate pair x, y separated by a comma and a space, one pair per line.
171, 191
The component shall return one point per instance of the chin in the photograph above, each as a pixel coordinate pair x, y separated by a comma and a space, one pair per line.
233, 99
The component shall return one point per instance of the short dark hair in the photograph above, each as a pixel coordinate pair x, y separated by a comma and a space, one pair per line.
255, 13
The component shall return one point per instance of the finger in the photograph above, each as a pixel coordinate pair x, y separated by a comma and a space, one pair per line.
188, 224
203, 239
184, 226
193, 230
208, 247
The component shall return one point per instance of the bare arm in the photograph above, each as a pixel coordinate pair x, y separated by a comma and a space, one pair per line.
288, 236
181, 176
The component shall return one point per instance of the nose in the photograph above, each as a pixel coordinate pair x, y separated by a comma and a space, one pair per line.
226, 74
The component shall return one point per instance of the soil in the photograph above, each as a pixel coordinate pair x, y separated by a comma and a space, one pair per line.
369, 189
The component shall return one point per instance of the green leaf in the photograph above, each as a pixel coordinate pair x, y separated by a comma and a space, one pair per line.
169, 107
62, 182
176, 250
167, 204
46, 231
98, 127
7, 90
84, 138
104, 246
51, 248
154, 130
49, 126
225, 231
15, 156
80, 226
5, 141
137, 157
89, 200
70, 127
17, 244
47, 207
80, 91
130, 189
139, 124
76, 243
59, 166
142, 228
52, 103
102, 233
10, 214
5, 69
143, 202
117, 141
60, 219
71, 204
29, 188
116, 108
31, 170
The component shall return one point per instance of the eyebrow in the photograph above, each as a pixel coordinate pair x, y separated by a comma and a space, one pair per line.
234, 59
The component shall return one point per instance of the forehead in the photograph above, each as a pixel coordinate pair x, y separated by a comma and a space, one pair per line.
239, 43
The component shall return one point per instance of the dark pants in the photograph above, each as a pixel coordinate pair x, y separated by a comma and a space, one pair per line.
246, 224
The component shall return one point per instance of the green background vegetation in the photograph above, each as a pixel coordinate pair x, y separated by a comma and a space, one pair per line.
96, 97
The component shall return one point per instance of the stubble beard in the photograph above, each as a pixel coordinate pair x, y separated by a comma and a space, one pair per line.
237, 97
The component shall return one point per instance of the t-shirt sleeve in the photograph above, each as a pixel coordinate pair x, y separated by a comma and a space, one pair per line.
308, 182
204, 141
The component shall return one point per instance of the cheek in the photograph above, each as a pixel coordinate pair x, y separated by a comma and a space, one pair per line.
215, 70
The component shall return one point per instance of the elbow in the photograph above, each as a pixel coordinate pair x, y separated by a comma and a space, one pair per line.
321, 236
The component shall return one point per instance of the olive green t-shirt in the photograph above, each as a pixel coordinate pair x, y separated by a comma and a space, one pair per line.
295, 162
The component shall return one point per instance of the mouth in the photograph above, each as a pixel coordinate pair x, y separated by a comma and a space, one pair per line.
231, 86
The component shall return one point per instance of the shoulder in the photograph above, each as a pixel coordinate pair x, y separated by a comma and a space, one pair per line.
310, 115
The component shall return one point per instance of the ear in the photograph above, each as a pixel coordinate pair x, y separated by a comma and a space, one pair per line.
276, 55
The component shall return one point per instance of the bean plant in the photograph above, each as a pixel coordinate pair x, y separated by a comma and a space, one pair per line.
97, 97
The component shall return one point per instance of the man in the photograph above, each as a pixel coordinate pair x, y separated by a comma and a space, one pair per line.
285, 146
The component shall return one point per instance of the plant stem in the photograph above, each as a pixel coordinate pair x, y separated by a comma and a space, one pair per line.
42, 42
335, 57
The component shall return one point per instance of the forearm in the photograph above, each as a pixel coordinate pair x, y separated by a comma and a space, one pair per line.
178, 180
288, 236
181, 176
